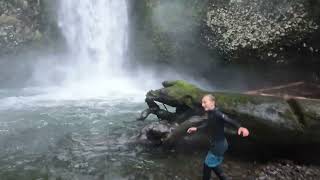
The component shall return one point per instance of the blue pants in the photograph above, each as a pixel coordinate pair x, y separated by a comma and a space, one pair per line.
217, 170
213, 160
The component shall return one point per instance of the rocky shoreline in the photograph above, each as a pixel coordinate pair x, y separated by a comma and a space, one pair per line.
244, 166
286, 169
277, 170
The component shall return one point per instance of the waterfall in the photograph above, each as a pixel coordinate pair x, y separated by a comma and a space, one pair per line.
96, 33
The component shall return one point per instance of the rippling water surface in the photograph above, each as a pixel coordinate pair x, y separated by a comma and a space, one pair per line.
44, 138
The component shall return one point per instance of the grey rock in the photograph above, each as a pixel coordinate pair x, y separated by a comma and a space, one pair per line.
19, 24
243, 26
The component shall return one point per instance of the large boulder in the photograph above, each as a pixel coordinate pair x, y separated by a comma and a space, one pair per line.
263, 29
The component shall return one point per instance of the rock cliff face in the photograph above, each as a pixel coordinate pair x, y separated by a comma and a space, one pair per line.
178, 32
240, 30
19, 23
262, 29
23, 22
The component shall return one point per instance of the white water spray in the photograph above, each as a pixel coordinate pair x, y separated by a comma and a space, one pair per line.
97, 37
96, 33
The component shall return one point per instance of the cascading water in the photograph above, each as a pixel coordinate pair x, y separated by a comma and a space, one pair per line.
96, 33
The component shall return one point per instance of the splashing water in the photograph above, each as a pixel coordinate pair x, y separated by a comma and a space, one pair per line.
96, 33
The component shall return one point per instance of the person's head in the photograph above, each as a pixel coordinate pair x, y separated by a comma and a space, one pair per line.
208, 102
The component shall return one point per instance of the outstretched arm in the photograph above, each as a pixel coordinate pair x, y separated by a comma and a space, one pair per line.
204, 125
241, 130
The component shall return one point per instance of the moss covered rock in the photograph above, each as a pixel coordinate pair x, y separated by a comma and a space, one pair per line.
177, 93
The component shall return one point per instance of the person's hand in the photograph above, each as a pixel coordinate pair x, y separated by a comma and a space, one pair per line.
192, 130
243, 131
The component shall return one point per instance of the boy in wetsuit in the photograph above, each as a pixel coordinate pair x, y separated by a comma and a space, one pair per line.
218, 143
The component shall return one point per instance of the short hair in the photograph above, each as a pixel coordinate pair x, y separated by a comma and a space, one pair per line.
210, 96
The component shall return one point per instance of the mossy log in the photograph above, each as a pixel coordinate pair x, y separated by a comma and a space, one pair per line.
271, 120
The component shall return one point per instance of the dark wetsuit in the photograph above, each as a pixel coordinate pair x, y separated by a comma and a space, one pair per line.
218, 143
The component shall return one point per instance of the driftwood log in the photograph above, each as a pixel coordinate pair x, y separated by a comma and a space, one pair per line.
271, 119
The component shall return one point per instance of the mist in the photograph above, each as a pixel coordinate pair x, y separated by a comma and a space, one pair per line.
92, 59
165, 44
171, 34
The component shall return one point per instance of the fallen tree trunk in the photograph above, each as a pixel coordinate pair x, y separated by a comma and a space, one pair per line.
270, 119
